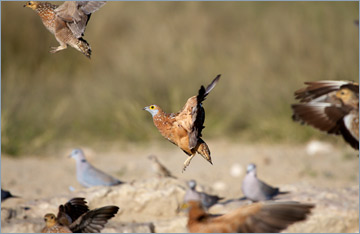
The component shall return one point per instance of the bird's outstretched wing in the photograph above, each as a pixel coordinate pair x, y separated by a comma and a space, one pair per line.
72, 210
76, 14
192, 115
93, 221
264, 217
321, 91
330, 106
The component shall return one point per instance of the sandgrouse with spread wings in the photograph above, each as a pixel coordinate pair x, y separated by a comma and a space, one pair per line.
75, 216
330, 106
260, 217
67, 22
184, 128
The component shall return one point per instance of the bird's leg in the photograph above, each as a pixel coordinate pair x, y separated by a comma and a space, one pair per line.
187, 162
62, 46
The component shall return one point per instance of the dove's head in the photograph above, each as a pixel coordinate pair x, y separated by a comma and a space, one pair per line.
251, 168
152, 109
50, 220
192, 184
32, 4
77, 154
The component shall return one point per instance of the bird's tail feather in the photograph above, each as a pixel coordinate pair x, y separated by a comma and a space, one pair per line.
84, 47
204, 151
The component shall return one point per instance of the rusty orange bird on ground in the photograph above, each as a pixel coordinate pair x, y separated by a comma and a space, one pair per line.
263, 217
330, 106
184, 128
75, 216
67, 22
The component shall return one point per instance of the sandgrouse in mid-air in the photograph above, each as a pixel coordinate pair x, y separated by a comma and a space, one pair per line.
330, 106
67, 22
75, 216
184, 128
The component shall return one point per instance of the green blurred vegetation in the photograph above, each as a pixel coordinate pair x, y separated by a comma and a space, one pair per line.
161, 52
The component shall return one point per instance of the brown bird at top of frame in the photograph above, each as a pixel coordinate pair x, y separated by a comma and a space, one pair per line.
67, 22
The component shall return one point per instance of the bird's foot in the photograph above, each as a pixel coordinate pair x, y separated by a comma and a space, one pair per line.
53, 50
57, 49
187, 162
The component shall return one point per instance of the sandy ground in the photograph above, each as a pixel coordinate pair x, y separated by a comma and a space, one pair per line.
42, 177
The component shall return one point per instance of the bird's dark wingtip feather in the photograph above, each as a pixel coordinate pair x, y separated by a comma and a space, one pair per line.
212, 84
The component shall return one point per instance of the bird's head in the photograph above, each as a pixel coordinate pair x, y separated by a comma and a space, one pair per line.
32, 4
192, 184
50, 220
347, 96
152, 157
153, 109
77, 154
251, 167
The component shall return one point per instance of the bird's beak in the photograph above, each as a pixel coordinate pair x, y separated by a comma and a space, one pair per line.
184, 206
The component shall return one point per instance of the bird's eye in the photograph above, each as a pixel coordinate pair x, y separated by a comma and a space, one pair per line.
152, 107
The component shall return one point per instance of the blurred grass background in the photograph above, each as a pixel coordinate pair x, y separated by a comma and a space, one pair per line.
160, 53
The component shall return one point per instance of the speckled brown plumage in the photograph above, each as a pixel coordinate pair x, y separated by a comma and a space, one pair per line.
67, 22
184, 128
330, 106
75, 216
53, 226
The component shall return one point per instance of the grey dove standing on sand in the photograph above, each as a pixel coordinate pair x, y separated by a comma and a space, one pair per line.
207, 200
255, 189
159, 168
88, 175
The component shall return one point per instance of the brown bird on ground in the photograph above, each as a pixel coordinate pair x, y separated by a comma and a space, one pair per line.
184, 128
159, 168
330, 106
266, 217
75, 216
67, 22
